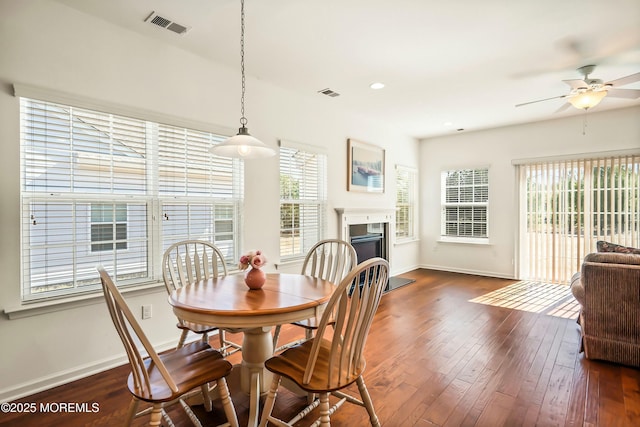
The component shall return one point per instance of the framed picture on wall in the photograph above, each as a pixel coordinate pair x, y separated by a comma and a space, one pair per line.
365, 165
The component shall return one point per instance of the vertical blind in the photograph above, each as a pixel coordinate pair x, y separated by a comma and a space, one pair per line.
303, 197
569, 205
100, 188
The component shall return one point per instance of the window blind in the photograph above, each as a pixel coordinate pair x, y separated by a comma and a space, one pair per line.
303, 188
100, 188
201, 194
406, 200
568, 205
465, 199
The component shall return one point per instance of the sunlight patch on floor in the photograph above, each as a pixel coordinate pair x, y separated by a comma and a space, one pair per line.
536, 297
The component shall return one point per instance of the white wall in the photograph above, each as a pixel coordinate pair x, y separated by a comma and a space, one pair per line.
46, 44
496, 148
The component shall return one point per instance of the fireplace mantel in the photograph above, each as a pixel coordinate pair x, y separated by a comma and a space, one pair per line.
349, 216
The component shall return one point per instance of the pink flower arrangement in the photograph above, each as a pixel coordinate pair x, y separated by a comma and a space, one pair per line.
253, 259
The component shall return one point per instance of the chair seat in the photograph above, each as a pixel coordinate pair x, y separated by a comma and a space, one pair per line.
190, 366
292, 363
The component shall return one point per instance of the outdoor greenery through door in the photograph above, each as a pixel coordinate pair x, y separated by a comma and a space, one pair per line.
566, 206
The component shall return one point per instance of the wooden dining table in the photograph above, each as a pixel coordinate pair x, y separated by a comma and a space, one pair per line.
227, 302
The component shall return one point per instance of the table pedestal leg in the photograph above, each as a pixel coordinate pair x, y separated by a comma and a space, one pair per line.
257, 347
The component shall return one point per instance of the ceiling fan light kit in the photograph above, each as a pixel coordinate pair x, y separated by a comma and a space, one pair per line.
587, 99
586, 93
242, 145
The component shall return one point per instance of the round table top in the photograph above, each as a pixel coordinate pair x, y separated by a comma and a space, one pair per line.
227, 301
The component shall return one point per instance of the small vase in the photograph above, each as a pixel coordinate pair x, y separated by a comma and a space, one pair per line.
255, 278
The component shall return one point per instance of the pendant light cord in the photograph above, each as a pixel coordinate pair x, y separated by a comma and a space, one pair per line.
243, 119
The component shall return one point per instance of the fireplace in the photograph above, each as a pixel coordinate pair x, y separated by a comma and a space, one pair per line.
368, 230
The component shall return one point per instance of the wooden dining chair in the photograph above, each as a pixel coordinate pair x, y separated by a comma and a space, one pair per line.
333, 359
168, 378
190, 261
331, 260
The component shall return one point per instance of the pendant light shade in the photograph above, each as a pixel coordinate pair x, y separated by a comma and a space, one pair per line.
242, 145
587, 99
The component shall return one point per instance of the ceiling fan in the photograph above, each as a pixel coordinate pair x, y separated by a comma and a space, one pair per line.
586, 93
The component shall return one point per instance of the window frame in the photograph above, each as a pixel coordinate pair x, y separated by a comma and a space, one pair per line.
151, 198
446, 204
315, 232
410, 174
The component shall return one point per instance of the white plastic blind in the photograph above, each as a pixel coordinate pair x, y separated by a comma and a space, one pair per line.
201, 194
72, 150
465, 199
186, 168
406, 182
303, 188
97, 186
571, 204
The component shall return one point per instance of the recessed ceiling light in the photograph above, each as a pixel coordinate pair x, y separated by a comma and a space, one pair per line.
376, 85
447, 124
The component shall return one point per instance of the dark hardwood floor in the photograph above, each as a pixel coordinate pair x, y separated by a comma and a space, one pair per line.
433, 359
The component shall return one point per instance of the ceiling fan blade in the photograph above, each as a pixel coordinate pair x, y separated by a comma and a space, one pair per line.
540, 100
562, 108
624, 93
625, 80
576, 83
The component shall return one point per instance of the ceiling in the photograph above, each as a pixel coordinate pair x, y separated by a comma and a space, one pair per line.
447, 65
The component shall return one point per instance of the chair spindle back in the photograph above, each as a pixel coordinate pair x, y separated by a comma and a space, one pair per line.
190, 261
126, 324
330, 259
351, 307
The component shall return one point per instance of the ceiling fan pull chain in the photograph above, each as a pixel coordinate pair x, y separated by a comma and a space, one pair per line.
584, 123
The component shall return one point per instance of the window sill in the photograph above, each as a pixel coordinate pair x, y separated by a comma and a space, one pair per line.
464, 241
50, 306
289, 263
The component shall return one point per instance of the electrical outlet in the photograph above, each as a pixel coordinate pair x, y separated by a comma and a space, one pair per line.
146, 311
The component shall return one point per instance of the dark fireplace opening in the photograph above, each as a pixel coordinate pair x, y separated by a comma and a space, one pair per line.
368, 240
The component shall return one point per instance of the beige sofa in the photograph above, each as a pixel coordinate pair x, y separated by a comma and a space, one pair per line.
608, 290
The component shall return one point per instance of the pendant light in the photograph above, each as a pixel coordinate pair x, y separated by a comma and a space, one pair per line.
242, 145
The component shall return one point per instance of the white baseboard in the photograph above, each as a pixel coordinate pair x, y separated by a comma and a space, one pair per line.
466, 271
404, 270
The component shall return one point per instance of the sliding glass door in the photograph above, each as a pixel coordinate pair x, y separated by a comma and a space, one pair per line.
566, 206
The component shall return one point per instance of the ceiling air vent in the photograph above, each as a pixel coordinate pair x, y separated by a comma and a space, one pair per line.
329, 92
166, 23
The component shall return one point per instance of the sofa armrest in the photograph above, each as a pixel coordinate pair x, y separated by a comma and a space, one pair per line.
612, 300
577, 288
